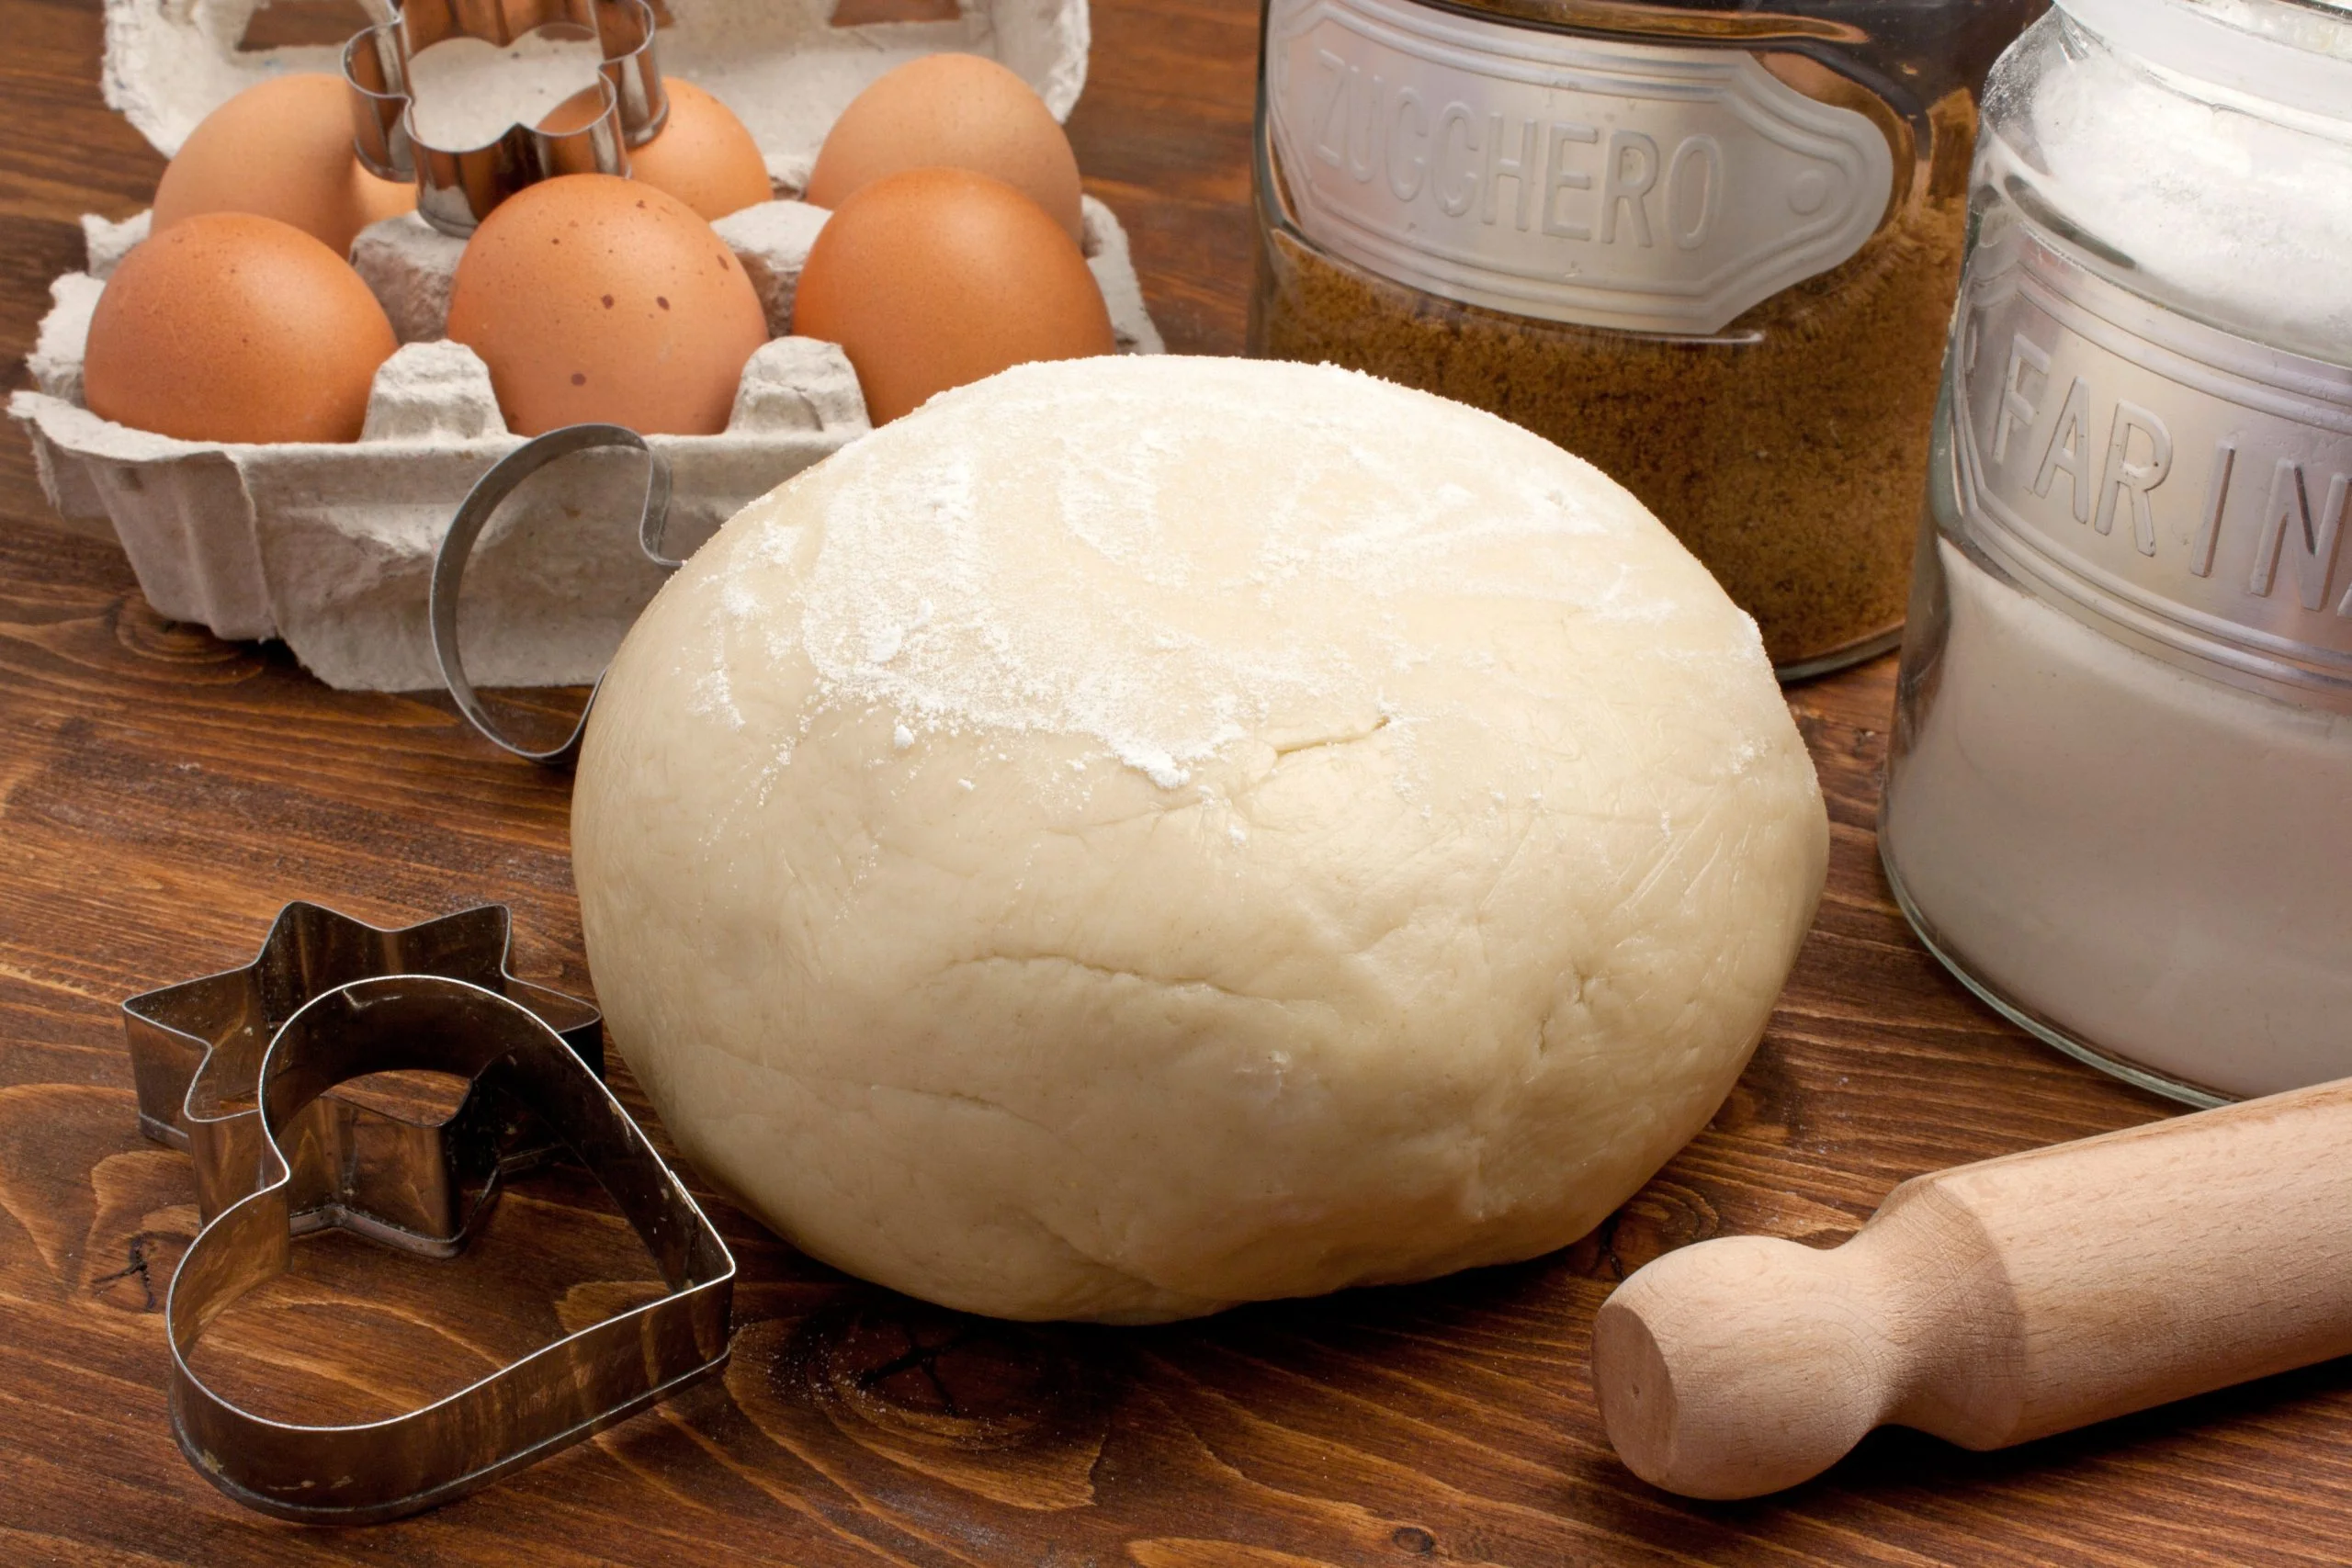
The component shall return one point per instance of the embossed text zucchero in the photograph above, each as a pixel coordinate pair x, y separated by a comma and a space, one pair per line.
1634, 186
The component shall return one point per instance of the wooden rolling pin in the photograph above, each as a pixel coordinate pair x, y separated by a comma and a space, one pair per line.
1995, 1303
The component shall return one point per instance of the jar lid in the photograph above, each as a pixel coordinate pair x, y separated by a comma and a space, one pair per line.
2295, 52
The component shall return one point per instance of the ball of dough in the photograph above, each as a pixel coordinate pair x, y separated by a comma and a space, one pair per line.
1145, 834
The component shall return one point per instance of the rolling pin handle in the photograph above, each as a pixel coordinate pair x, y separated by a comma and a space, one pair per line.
1995, 1303
1744, 1365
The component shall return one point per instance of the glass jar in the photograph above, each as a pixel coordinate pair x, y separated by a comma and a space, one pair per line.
1712, 251
2119, 806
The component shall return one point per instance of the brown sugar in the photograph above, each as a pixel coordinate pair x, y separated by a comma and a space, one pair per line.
1789, 452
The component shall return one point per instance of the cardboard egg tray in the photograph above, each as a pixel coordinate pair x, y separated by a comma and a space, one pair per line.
330, 546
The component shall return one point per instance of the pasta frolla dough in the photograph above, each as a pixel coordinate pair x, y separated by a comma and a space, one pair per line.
1145, 834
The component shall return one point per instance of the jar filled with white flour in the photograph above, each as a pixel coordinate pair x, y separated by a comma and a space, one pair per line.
2121, 803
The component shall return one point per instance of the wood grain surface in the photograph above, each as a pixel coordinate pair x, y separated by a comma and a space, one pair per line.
162, 794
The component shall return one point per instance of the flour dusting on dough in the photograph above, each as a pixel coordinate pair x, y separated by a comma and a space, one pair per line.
1173, 629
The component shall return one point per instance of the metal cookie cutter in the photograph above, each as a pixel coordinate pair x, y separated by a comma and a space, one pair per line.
373, 1471
239, 1068
474, 515
421, 1186
457, 188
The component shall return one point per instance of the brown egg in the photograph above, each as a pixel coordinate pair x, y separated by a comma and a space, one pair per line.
232, 327
952, 111
703, 156
937, 277
281, 149
599, 299
379, 199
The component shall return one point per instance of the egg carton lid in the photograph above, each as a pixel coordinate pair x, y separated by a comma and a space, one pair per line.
782, 66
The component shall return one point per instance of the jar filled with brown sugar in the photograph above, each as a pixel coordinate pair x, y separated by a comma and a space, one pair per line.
1713, 251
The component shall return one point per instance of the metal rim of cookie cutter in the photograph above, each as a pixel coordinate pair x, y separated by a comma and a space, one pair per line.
457, 549
457, 188
277, 1155
196, 1056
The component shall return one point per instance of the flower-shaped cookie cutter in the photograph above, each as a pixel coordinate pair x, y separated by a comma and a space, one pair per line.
457, 188
278, 1173
418, 1183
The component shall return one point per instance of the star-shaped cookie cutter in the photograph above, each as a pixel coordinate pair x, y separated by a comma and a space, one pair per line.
458, 186
420, 1184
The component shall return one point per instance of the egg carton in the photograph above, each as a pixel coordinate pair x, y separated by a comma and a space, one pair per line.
329, 547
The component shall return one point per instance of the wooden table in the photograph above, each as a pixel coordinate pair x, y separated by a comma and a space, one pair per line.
162, 793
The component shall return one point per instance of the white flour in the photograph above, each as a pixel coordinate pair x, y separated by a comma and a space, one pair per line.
2152, 861
2224, 214
466, 90
2155, 862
